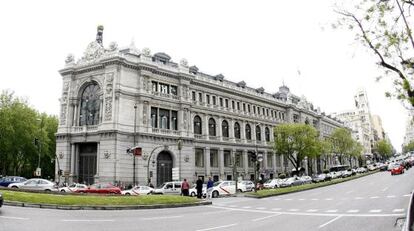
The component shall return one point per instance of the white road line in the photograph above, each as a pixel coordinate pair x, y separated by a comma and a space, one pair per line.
375, 210
159, 218
327, 223
88, 220
331, 211
246, 207
301, 199
288, 199
233, 206
406, 195
358, 198
352, 211
276, 199
328, 199
293, 210
14, 218
262, 218
312, 210
385, 189
374, 197
276, 209
398, 210
391, 196
315, 199
261, 208
217, 227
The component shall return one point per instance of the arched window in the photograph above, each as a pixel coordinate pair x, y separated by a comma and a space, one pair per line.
197, 125
211, 127
237, 130
225, 128
258, 133
267, 134
248, 132
90, 105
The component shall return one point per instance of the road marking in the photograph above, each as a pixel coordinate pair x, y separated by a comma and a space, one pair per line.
312, 210
398, 210
217, 227
391, 196
262, 218
88, 220
352, 211
375, 210
374, 197
276, 209
406, 195
14, 218
327, 223
328, 199
315, 199
349, 192
331, 211
233, 206
301, 199
385, 189
288, 199
276, 199
359, 198
293, 210
246, 207
260, 208
158, 218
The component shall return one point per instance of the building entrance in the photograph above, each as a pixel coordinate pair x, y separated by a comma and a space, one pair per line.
87, 162
164, 167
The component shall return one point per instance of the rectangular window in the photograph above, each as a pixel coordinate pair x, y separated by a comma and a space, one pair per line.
200, 97
208, 99
164, 119
248, 108
258, 110
269, 160
238, 106
154, 86
193, 96
239, 159
232, 105
214, 100
221, 102
164, 88
227, 103
174, 120
173, 90
227, 158
214, 158
295, 118
244, 107
254, 109
154, 116
199, 157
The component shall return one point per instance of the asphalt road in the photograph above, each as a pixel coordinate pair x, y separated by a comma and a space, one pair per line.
369, 203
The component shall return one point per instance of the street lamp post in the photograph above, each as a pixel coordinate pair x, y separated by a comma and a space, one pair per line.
149, 160
135, 134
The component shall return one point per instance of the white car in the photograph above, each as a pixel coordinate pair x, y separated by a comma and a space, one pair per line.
245, 186
371, 167
193, 191
272, 183
224, 188
35, 184
71, 188
138, 190
173, 187
306, 179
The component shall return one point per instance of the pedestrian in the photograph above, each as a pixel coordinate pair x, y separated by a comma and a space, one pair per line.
199, 187
185, 187
209, 188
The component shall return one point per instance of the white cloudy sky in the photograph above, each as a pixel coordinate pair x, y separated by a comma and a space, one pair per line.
261, 42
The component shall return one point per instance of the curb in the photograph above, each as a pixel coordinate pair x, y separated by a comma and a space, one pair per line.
97, 207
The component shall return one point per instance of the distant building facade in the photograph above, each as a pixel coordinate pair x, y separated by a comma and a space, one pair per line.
409, 128
203, 125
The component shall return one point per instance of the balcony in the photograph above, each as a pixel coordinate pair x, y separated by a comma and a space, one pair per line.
198, 136
86, 128
165, 131
165, 95
213, 138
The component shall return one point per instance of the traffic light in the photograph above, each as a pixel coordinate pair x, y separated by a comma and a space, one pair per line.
253, 157
60, 172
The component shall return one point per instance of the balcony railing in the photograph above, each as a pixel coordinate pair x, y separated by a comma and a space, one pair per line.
165, 95
85, 128
165, 131
213, 137
198, 136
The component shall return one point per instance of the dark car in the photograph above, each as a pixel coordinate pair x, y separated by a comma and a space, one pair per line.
101, 188
1, 199
5, 181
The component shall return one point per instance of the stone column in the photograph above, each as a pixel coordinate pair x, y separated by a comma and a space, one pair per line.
231, 130
221, 162
245, 163
243, 131
264, 162
219, 131
274, 163
72, 160
205, 129
207, 161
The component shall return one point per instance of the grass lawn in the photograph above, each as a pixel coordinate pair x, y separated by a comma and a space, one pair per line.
280, 191
87, 200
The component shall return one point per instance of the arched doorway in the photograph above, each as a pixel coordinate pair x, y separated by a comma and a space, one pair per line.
87, 162
164, 167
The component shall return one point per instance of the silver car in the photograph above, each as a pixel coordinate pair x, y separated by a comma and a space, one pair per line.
35, 184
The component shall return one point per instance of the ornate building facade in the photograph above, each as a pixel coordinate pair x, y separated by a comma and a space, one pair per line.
202, 125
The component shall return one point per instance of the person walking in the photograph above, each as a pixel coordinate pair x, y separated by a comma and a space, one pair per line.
185, 187
199, 187
209, 188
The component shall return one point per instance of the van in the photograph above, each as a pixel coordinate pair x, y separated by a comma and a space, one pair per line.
172, 187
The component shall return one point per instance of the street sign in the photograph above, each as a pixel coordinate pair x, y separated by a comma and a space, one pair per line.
38, 172
175, 174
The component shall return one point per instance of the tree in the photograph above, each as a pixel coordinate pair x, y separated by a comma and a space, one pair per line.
296, 141
355, 152
409, 147
20, 125
382, 26
384, 149
342, 143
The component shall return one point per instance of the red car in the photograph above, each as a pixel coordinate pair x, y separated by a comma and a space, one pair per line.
398, 169
102, 188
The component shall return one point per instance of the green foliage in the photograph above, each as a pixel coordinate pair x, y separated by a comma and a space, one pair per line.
384, 148
409, 147
297, 141
342, 143
20, 125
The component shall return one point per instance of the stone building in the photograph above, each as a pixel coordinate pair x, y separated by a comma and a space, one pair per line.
195, 123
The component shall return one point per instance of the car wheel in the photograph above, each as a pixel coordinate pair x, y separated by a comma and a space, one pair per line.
128, 194
193, 194
14, 186
48, 190
62, 191
240, 191
215, 194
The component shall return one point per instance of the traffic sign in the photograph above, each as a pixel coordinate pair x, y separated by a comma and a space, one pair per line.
38, 172
175, 175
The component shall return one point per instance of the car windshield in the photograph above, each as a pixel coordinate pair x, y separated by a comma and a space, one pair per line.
216, 183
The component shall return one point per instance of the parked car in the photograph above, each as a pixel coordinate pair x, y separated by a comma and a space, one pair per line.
224, 188
35, 184
361, 170
306, 179
398, 169
245, 186
73, 187
101, 188
193, 191
346, 173
319, 178
173, 187
1, 200
5, 181
138, 190
272, 183
371, 167
292, 181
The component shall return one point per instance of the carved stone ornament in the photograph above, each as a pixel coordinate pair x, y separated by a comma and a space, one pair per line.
70, 58
61, 155
108, 96
145, 109
184, 62
93, 51
65, 87
107, 154
186, 158
63, 114
146, 51
113, 46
